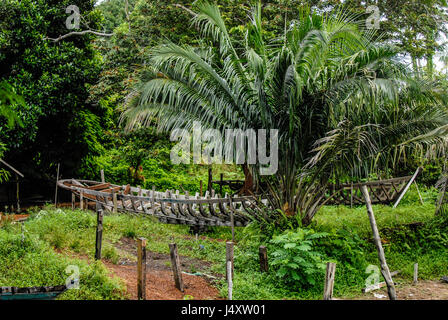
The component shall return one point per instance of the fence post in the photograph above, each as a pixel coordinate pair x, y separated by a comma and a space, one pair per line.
141, 268
415, 273
99, 231
263, 254
329, 281
229, 258
377, 240
81, 201
175, 264
102, 176
229, 280
73, 201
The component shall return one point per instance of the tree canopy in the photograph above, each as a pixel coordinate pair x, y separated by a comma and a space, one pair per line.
341, 101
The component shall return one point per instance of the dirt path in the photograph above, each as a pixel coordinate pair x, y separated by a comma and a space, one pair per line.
159, 277
160, 284
423, 290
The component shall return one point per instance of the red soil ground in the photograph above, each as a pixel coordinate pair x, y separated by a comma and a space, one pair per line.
423, 290
160, 284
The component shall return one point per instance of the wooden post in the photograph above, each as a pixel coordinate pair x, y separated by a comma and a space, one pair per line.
73, 201
220, 185
232, 220
210, 179
102, 176
263, 254
329, 281
200, 188
351, 195
229, 268
229, 258
407, 187
141, 268
99, 231
81, 200
376, 238
415, 273
418, 191
175, 264
56, 190
17, 193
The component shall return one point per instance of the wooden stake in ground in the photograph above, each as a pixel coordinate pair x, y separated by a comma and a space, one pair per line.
263, 254
99, 231
229, 268
329, 281
73, 201
229, 258
175, 264
376, 238
415, 273
102, 176
56, 190
141, 268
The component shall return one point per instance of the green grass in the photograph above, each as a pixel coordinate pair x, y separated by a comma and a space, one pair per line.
29, 261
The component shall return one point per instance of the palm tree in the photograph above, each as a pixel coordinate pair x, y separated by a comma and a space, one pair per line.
342, 103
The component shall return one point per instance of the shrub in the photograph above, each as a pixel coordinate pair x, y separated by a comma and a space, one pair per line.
296, 259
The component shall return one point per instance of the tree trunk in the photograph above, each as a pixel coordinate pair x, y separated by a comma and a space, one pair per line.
248, 187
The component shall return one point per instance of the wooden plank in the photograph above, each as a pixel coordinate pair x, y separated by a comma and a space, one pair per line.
376, 238
141, 268
175, 265
101, 186
263, 254
110, 190
99, 232
102, 176
407, 187
329, 281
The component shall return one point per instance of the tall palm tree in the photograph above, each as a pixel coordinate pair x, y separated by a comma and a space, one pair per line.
342, 103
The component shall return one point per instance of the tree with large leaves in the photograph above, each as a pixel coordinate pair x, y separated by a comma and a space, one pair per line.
342, 102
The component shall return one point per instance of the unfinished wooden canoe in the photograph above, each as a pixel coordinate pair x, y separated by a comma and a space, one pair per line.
169, 207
